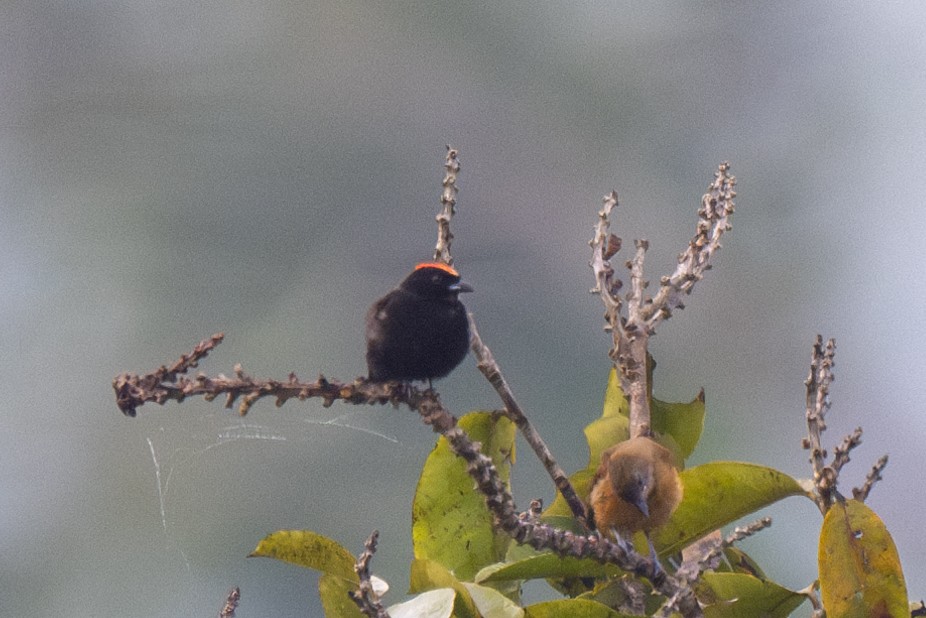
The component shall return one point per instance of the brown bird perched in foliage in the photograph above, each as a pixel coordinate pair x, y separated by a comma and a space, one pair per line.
419, 330
635, 488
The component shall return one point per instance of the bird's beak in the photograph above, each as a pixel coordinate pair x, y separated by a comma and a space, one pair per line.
461, 287
635, 495
640, 503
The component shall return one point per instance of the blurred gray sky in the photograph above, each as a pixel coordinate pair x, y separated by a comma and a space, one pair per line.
172, 169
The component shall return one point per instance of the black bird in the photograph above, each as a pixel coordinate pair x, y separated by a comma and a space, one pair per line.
419, 330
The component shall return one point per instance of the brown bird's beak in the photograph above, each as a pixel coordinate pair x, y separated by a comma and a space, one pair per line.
461, 287
640, 503
634, 494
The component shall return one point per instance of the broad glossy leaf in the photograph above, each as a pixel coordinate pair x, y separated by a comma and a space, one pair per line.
860, 572
308, 549
737, 595
571, 608
684, 422
741, 562
718, 493
543, 566
450, 522
332, 590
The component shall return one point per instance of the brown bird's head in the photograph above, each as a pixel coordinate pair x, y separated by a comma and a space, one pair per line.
632, 479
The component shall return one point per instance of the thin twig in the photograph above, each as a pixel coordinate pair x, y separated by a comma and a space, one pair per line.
231, 603
448, 201
633, 319
128, 386
707, 551
486, 362
818, 402
533, 512
133, 391
427, 404
490, 369
739, 533
811, 592
365, 597
841, 452
874, 475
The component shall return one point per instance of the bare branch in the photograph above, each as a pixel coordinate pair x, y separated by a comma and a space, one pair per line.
534, 511
812, 594
231, 603
841, 452
604, 246
707, 551
818, 402
448, 201
490, 369
133, 391
630, 330
365, 597
427, 404
874, 475
129, 387
714, 218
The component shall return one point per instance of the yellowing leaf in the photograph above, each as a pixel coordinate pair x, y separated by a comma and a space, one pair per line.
615, 403
718, 493
332, 590
860, 574
308, 549
450, 522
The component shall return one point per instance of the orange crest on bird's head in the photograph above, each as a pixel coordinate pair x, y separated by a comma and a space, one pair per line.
440, 266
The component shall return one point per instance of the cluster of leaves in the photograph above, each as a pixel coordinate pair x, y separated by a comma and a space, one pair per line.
463, 567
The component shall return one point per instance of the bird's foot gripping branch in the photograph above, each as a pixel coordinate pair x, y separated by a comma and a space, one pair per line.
473, 548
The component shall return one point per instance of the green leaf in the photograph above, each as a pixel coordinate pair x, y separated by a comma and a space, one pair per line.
615, 403
684, 422
450, 522
543, 566
737, 595
332, 590
860, 572
308, 549
718, 493
741, 562
571, 608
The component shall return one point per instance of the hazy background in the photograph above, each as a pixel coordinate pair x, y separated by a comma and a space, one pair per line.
173, 169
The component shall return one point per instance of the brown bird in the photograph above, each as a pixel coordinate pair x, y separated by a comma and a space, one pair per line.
635, 488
